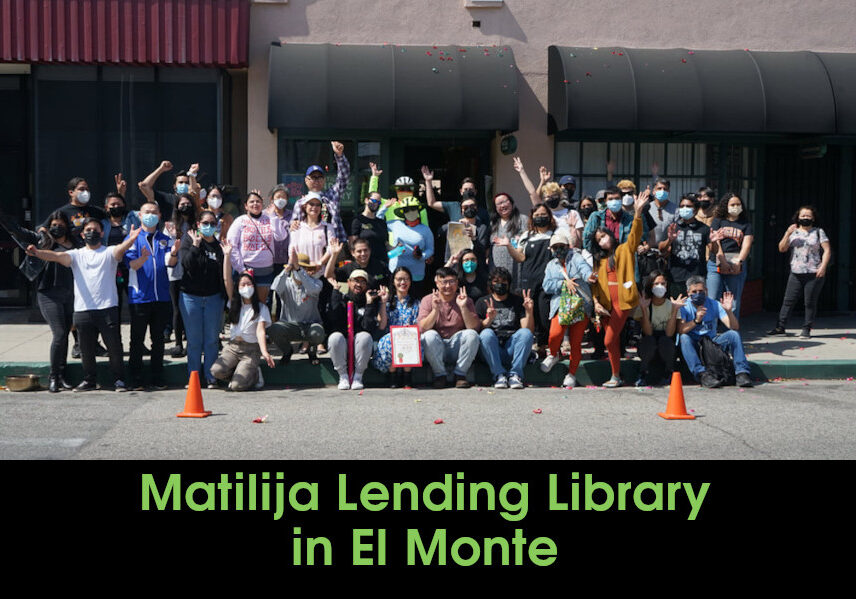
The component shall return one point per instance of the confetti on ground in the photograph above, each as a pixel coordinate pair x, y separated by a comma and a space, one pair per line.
417, 400
439, 421
261, 420
536, 411
361, 392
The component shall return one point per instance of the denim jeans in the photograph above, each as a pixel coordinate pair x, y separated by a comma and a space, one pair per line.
717, 284
202, 317
729, 341
460, 349
512, 352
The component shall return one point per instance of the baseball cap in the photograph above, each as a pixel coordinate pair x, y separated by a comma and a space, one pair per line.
567, 179
560, 236
600, 194
313, 168
358, 273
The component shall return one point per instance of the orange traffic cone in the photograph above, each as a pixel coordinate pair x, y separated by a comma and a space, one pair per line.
193, 407
676, 408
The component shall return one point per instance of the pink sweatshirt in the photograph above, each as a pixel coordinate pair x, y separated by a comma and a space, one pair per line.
253, 239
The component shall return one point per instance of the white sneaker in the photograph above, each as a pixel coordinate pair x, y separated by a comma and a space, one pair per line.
261, 382
549, 362
344, 383
570, 381
358, 382
501, 382
514, 382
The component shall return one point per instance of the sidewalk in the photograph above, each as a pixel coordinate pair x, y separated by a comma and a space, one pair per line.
829, 354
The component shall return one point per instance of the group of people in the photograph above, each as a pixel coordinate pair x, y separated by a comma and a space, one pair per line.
523, 287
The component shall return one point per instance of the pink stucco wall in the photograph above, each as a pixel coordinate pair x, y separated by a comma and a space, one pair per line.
528, 27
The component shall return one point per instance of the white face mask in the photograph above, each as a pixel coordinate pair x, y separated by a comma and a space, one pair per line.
627, 200
246, 291
604, 242
658, 290
83, 197
735, 210
280, 203
215, 202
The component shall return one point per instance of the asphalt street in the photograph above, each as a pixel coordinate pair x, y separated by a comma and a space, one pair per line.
780, 420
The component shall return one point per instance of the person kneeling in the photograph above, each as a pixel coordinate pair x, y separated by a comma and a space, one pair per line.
699, 319
507, 331
659, 318
365, 323
249, 317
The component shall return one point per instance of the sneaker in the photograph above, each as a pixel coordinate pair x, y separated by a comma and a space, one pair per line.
805, 333
344, 383
549, 362
708, 380
158, 386
120, 386
570, 381
357, 383
613, 382
461, 382
178, 351
213, 385
86, 386
640, 382
778, 330
75, 351
261, 381
514, 382
440, 382
743, 380
101, 351
501, 382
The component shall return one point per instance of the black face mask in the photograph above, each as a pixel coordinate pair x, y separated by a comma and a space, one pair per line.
186, 209
116, 211
470, 212
58, 231
561, 253
806, 222
541, 221
704, 204
500, 288
586, 212
553, 203
92, 238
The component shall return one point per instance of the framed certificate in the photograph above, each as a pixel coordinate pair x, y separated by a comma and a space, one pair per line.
406, 348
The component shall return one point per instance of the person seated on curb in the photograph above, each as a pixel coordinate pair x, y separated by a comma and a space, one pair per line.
298, 288
239, 360
508, 330
699, 317
365, 323
450, 329
659, 317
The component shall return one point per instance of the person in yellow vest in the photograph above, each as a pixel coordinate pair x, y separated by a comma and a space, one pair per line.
613, 283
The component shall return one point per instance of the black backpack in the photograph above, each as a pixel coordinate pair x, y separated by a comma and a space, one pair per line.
716, 361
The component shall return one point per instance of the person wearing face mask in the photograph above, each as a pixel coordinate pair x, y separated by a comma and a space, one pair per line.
368, 224
78, 208
184, 182
700, 315
568, 269
475, 228
214, 203
299, 288
238, 362
278, 206
95, 299
453, 209
331, 197
587, 207
661, 212
810, 256
54, 286
202, 295
569, 188
706, 205
117, 224
731, 237
507, 333
566, 217
659, 317
149, 299
612, 217
183, 220
686, 245
412, 242
471, 275
614, 283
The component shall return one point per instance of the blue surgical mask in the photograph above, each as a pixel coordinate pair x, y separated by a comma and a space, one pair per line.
685, 212
207, 230
181, 188
698, 298
614, 205
469, 266
149, 220
661, 195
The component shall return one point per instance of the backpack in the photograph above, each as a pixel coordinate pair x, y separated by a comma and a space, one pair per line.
716, 361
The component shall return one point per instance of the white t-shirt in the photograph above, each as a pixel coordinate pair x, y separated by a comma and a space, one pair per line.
246, 327
94, 278
561, 217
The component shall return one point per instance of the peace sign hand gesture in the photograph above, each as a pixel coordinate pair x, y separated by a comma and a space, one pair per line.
528, 302
461, 300
491, 310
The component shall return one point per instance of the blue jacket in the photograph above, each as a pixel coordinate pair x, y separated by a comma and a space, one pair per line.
554, 278
149, 283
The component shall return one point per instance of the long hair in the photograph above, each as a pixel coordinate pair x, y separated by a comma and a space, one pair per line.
550, 227
722, 208
393, 297
61, 216
598, 253
513, 220
178, 219
236, 301
796, 216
